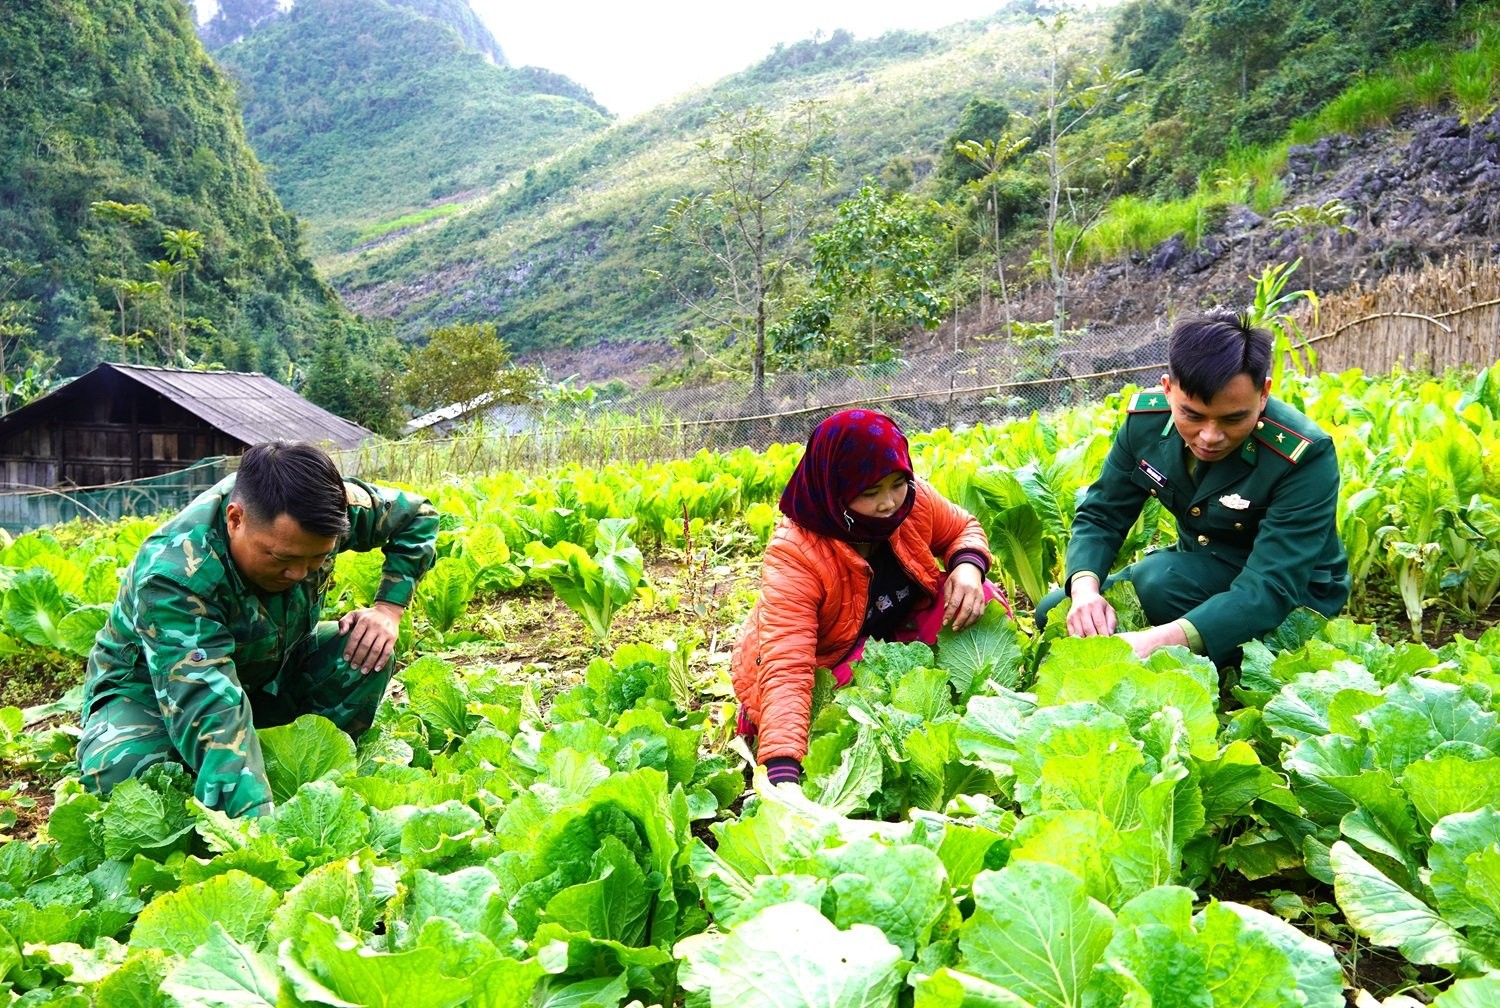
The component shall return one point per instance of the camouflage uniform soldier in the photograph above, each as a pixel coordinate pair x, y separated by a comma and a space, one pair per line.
1252, 483
216, 628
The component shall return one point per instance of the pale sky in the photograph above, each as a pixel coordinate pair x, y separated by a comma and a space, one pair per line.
634, 56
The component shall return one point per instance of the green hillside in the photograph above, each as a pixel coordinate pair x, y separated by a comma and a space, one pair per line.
366, 111
441, 188
117, 129
558, 256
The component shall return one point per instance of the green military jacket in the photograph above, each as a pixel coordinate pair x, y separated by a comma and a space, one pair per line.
189, 635
1269, 510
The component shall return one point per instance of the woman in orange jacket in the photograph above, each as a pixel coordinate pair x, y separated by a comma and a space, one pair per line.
855, 557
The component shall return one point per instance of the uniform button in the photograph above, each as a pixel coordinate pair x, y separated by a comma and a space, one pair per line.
1239, 525
1203, 540
1260, 425
1153, 491
1195, 511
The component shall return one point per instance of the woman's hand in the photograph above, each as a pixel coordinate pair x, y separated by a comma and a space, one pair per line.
963, 601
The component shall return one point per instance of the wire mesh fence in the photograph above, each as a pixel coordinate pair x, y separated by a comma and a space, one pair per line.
985, 380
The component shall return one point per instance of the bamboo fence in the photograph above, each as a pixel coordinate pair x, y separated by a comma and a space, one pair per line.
1441, 317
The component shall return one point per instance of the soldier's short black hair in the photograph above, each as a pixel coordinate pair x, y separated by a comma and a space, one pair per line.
296, 479
1206, 351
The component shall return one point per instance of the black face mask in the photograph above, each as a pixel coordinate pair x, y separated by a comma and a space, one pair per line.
862, 529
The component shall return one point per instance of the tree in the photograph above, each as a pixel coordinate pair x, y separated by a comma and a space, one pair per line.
1314, 224
165, 274
880, 261
466, 363
766, 176
350, 375
331, 380
1071, 94
1241, 34
123, 216
981, 117
1146, 31
24, 373
130, 294
991, 157
183, 247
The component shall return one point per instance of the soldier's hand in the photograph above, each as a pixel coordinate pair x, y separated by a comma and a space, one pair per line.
1089, 615
371, 635
1143, 642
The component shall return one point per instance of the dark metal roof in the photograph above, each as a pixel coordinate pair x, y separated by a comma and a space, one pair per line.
247, 406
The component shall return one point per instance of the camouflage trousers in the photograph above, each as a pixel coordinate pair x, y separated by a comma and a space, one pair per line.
123, 735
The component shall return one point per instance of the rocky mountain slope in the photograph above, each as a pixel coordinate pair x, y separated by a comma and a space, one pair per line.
1422, 189
562, 257
118, 130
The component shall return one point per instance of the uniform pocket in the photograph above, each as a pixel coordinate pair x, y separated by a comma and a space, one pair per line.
1162, 491
1229, 520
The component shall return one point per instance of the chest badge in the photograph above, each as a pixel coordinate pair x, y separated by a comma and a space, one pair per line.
1234, 502
1152, 473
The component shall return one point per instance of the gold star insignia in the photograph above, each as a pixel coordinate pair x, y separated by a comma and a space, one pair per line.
1280, 438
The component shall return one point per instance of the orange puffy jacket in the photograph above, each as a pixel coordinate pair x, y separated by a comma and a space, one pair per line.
813, 595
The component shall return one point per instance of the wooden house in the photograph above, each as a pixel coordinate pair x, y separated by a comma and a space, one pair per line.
126, 422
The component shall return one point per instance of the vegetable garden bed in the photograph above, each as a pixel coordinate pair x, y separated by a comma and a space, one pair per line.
549, 809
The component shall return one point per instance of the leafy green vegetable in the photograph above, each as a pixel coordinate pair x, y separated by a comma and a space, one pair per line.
225, 973
148, 814
444, 592
309, 749
321, 822
37, 611
1387, 914
233, 904
1032, 914
789, 955
592, 586
327, 966
987, 651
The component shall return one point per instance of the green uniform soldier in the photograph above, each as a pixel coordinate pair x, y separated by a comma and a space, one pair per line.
1252, 483
216, 628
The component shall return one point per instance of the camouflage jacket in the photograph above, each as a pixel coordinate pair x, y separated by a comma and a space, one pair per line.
189, 635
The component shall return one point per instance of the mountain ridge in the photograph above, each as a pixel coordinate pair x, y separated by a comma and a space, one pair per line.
366, 111
222, 23
551, 257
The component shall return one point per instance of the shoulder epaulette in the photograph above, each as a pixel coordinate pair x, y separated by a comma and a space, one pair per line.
1282, 440
1148, 401
357, 496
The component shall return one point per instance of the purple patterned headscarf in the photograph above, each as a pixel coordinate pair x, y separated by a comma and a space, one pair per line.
846, 454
